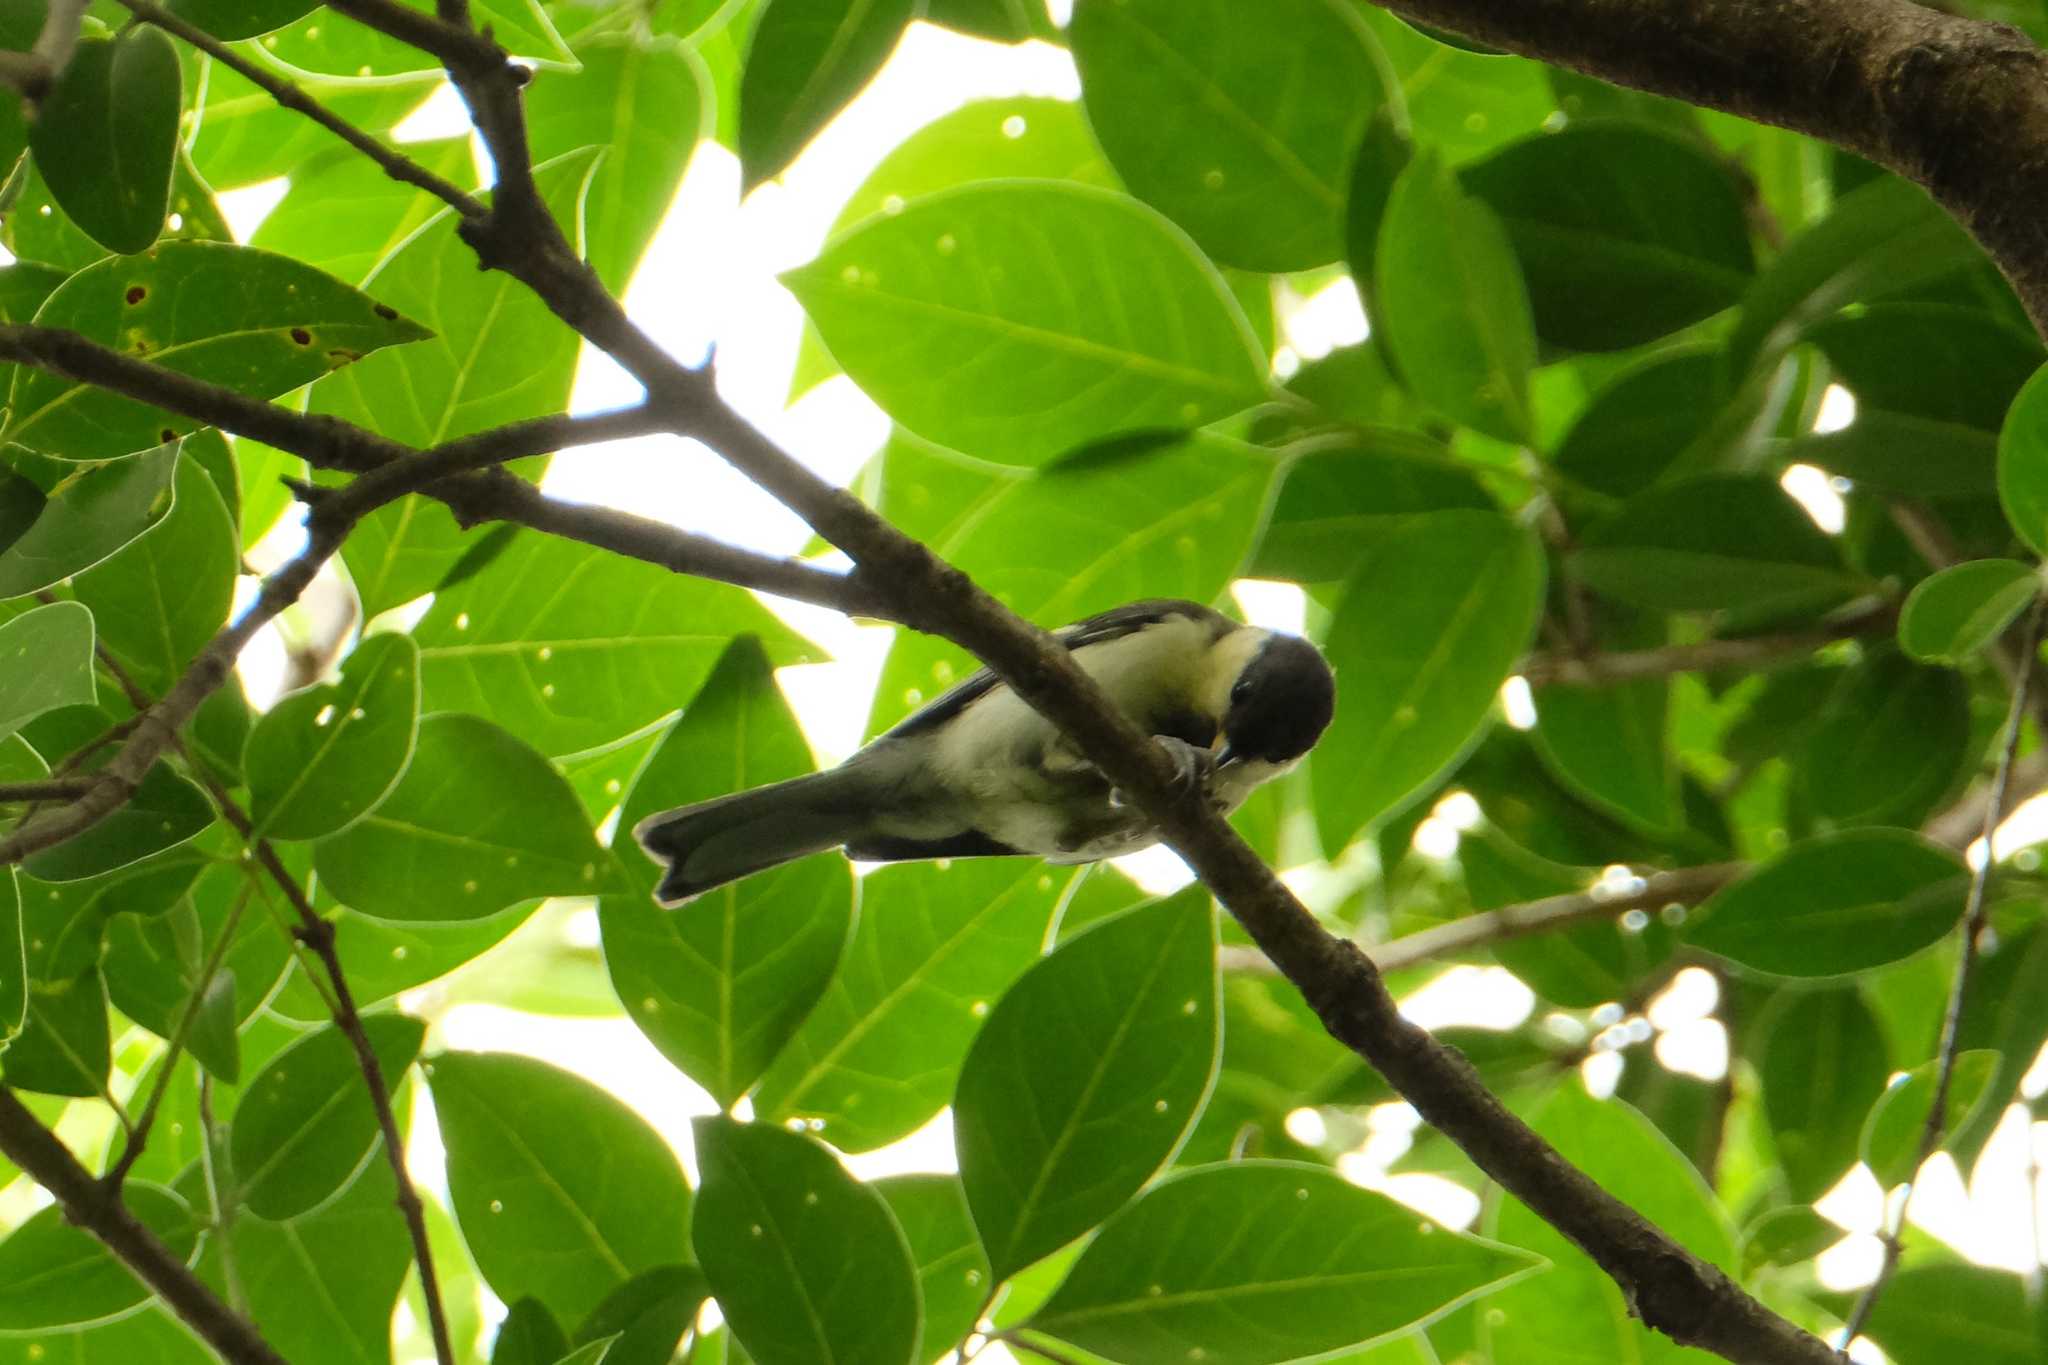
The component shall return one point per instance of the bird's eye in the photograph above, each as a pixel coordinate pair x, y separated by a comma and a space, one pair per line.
1241, 690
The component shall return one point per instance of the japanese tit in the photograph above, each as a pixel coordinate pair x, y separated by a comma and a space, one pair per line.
977, 772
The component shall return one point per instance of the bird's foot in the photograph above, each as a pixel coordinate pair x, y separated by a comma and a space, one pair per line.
1192, 766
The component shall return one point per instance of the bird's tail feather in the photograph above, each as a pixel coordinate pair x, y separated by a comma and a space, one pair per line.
718, 841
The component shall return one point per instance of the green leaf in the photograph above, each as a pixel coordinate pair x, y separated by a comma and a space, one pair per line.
1107, 1049
2023, 463
1611, 744
1896, 452
1935, 1312
304, 1123
1464, 101
167, 809
1450, 300
880, 1052
1312, 1264
529, 1335
642, 104
153, 1334
244, 135
1930, 360
1883, 238
107, 136
1892, 743
345, 216
161, 599
53, 1274
807, 1263
495, 354
90, 514
323, 1286
1892, 1133
563, 1193
644, 1318
1080, 537
1625, 233
1837, 904
1020, 320
13, 960
1339, 501
721, 985
1238, 123
806, 60
1426, 631
383, 959
1643, 422
952, 1271
1719, 541
571, 647
478, 822
1823, 1065
258, 323
45, 663
1786, 1236
323, 757
1574, 1311
62, 1049
231, 19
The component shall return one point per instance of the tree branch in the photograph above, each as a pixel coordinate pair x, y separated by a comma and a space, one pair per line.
1958, 106
99, 1210
52, 789
35, 72
1976, 911
1753, 652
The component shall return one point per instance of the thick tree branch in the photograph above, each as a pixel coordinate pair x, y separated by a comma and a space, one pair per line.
52, 789
1976, 913
1957, 106
98, 1209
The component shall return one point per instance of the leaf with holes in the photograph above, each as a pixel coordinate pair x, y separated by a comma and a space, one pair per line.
571, 647
563, 1193
255, 322
496, 354
1238, 122
1106, 1049
1312, 1264
323, 757
807, 1263
721, 985
1427, 630
107, 136
1020, 320
478, 822
304, 1122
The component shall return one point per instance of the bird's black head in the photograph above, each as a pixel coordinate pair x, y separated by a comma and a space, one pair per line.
1281, 703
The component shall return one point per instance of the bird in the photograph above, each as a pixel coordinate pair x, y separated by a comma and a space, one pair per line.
978, 773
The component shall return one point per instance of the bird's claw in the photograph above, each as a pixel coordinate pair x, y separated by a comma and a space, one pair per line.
1192, 766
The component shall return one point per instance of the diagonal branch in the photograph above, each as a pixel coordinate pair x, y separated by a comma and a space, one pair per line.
98, 1209
1976, 911
1752, 652
35, 72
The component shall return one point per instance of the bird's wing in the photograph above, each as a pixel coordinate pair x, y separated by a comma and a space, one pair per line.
1113, 624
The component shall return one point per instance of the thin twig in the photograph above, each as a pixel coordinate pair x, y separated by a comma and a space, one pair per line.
212, 1148
1976, 912
1752, 653
133, 1147
50, 789
395, 164
90, 1205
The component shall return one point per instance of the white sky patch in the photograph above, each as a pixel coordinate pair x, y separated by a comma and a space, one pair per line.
1813, 490
1837, 410
1518, 703
246, 206
1333, 316
1273, 605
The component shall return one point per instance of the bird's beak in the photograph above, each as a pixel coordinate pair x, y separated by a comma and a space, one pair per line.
1226, 755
